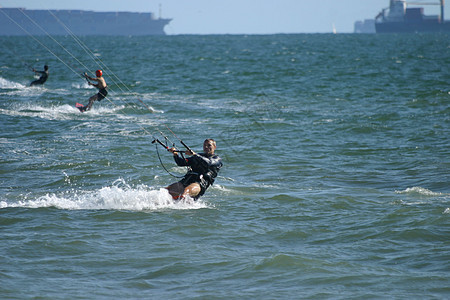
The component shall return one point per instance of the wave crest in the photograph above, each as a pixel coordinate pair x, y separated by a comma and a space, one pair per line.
419, 191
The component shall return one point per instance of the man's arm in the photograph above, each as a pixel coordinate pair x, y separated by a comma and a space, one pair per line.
89, 77
180, 161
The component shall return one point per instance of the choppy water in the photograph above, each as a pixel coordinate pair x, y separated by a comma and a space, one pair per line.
335, 181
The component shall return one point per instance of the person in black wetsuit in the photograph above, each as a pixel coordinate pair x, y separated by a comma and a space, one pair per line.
102, 92
203, 169
43, 78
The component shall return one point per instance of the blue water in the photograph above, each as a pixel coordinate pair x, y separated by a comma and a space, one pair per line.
335, 181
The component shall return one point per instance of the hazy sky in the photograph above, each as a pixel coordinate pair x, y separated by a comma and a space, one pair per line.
238, 16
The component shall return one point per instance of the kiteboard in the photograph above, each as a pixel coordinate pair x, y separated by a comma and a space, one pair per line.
80, 107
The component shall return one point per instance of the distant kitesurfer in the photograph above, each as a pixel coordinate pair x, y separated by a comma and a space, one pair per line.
102, 92
43, 78
203, 169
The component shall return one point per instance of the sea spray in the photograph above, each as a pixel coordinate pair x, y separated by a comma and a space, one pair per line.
115, 197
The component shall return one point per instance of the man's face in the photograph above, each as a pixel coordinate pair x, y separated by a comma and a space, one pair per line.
209, 147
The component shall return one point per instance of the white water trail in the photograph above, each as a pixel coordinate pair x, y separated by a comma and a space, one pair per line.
119, 196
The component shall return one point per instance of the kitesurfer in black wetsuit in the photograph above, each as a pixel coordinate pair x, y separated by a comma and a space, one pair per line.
102, 92
203, 169
43, 78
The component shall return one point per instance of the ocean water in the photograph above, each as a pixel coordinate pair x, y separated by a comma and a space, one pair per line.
335, 185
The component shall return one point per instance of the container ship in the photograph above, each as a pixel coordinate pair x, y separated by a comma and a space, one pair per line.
400, 18
20, 21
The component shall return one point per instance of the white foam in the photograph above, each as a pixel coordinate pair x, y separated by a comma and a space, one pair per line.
153, 110
6, 84
55, 112
60, 112
83, 85
19, 90
102, 110
418, 191
119, 196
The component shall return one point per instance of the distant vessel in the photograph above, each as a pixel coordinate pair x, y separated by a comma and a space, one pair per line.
20, 21
399, 18
366, 26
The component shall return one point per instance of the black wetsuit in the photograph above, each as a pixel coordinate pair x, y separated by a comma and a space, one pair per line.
203, 170
42, 79
100, 96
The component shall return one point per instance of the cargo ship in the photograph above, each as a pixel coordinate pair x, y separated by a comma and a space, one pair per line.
399, 18
20, 21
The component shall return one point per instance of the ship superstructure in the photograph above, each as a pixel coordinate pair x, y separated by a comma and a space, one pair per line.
399, 17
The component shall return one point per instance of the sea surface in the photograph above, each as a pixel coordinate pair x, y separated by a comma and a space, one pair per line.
336, 177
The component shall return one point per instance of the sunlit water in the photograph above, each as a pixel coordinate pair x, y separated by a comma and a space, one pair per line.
335, 181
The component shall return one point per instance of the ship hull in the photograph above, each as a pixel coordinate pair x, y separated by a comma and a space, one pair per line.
411, 27
16, 22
